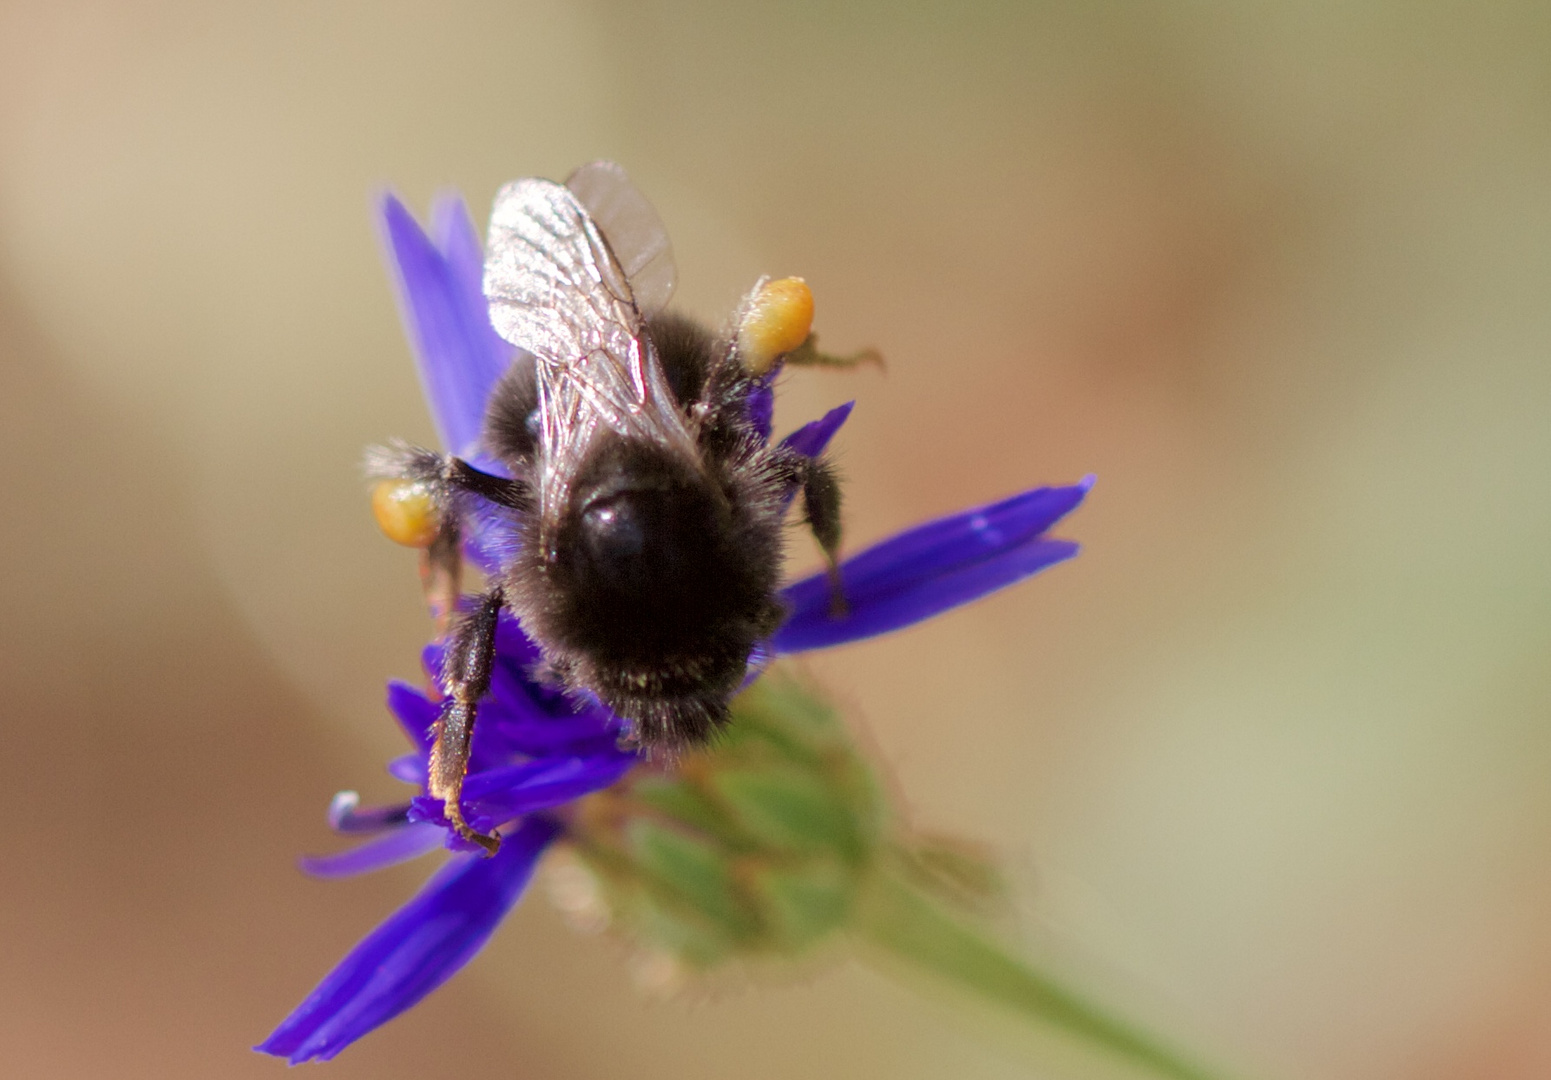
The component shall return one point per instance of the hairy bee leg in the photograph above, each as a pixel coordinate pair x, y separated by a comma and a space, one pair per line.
466, 679
417, 504
441, 567
512, 494
821, 504
441, 576
808, 355
414, 506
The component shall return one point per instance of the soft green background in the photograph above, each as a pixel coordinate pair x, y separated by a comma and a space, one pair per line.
1270, 763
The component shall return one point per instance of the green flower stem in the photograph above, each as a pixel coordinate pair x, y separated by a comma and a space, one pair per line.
894, 915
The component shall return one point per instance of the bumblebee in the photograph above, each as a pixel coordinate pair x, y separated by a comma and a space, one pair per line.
647, 503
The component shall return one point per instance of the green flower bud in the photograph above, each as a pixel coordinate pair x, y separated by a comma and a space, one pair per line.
755, 846
777, 839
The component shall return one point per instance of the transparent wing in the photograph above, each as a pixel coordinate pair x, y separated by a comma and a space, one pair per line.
556, 290
632, 228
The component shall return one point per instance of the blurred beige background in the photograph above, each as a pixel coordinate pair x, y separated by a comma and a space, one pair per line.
1271, 761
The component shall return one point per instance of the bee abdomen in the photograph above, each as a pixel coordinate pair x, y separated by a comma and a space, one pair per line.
670, 709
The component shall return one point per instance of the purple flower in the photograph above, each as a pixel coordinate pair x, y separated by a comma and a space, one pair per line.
536, 750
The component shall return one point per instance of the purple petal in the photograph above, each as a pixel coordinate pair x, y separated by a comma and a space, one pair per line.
574, 735
501, 733
760, 405
459, 354
492, 798
417, 949
502, 794
453, 232
402, 844
814, 436
410, 768
415, 712
930, 569
513, 645
431, 658
515, 719
346, 816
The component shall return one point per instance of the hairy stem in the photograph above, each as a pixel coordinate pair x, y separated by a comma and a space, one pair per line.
895, 916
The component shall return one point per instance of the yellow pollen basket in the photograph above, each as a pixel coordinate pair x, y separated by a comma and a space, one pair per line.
406, 512
778, 320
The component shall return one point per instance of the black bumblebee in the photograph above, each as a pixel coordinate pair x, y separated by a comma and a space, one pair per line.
647, 503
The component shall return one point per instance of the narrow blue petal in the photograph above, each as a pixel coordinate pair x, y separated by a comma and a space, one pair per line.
512, 643
512, 722
402, 844
505, 708
417, 949
760, 405
563, 735
494, 797
346, 816
502, 794
509, 690
432, 657
458, 354
814, 436
410, 768
454, 234
415, 712
930, 569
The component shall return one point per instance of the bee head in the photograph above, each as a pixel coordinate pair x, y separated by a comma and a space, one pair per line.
651, 558
643, 536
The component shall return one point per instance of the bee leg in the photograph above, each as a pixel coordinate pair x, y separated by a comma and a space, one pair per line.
441, 567
512, 494
416, 502
821, 505
414, 506
807, 355
441, 576
466, 679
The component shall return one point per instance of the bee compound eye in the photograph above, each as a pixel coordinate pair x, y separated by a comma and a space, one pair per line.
777, 321
406, 512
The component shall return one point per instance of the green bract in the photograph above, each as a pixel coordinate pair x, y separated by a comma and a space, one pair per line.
757, 846
777, 839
